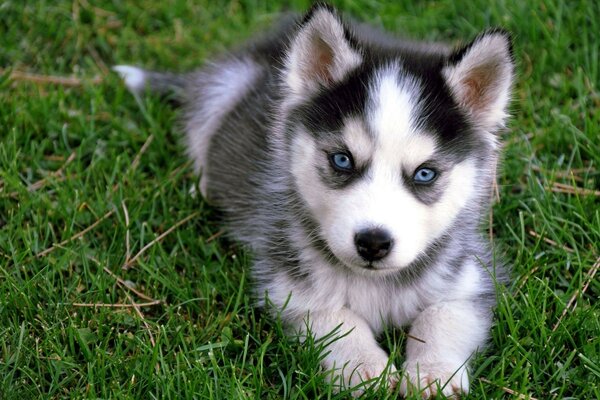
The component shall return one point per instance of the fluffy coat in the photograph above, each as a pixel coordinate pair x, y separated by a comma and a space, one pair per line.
319, 142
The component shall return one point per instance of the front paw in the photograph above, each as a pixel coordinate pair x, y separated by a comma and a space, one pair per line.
371, 371
430, 379
367, 370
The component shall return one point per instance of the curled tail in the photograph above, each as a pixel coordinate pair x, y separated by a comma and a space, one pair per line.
138, 80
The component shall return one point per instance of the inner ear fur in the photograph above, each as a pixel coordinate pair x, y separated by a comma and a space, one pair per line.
480, 77
321, 53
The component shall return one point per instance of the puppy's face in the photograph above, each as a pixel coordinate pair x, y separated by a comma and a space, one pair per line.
387, 147
374, 172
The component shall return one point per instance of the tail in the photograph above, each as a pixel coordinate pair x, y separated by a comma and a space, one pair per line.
139, 80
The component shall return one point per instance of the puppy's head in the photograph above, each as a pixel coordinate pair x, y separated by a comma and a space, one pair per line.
389, 148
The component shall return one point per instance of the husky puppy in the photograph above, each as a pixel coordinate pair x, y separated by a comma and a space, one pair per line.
358, 169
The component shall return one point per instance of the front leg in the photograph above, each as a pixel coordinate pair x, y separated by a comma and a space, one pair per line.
353, 355
443, 338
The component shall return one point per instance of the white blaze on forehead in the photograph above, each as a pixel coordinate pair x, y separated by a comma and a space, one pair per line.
392, 118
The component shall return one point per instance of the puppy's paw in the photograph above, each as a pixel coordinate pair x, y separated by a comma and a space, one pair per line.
431, 379
369, 369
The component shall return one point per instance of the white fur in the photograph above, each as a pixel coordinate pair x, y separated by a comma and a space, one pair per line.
364, 306
353, 353
381, 200
363, 300
392, 108
370, 297
134, 78
446, 333
399, 141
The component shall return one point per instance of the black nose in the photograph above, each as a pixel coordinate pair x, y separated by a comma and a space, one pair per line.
373, 244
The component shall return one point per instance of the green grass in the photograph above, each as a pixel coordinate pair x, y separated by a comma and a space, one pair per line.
85, 143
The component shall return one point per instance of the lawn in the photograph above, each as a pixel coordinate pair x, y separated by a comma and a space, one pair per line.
116, 283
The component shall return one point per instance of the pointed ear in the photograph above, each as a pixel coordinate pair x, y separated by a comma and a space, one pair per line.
321, 52
480, 77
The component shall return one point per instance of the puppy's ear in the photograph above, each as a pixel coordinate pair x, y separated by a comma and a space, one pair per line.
320, 53
480, 77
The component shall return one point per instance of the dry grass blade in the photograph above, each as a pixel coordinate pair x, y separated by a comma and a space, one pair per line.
98, 60
136, 160
143, 149
58, 175
100, 12
558, 187
178, 170
121, 282
491, 225
134, 305
494, 196
215, 236
570, 174
50, 79
41, 183
579, 292
124, 285
551, 242
127, 248
415, 338
158, 239
584, 170
509, 391
74, 237
526, 277
138, 311
68, 161
117, 305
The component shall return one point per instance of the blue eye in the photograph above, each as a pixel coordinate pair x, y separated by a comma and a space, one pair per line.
424, 175
341, 162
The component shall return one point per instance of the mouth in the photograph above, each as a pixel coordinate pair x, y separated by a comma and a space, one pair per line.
371, 267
